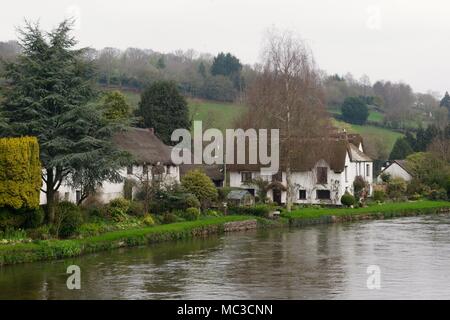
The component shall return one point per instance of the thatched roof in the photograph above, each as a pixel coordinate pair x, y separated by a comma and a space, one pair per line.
144, 146
214, 171
306, 154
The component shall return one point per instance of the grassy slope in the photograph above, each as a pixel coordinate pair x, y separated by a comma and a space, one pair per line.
222, 115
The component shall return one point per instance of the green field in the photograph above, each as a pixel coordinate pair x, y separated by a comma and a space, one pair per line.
214, 114
388, 136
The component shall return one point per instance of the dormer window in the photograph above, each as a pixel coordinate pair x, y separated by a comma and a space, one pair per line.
322, 175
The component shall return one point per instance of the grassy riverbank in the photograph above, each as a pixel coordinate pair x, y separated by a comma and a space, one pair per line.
376, 211
58, 249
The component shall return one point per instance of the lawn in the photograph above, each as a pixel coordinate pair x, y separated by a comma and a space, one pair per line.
424, 206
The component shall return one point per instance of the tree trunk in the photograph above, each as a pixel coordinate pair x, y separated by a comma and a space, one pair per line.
51, 203
288, 189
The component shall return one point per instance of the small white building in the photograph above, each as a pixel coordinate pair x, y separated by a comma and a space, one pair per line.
319, 177
395, 169
152, 160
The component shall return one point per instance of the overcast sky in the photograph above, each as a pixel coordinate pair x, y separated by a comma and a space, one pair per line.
399, 40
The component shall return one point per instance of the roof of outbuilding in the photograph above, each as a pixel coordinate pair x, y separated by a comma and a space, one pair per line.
144, 146
237, 194
214, 171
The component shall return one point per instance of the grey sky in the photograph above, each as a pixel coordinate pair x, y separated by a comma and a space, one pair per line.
391, 39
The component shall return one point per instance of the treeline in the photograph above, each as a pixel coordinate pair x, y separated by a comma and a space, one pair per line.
402, 107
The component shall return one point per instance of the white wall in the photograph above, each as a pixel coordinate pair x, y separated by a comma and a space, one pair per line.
396, 171
110, 191
337, 183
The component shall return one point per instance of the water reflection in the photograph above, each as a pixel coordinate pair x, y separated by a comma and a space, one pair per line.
316, 262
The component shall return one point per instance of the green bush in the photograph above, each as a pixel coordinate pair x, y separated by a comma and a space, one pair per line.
347, 199
191, 201
68, 218
439, 194
212, 213
11, 218
259, 210
40, 233
379, 195
169, 217
148, 220
34, 218
200, 185
191, 214
396, 188
136, 209
118, 209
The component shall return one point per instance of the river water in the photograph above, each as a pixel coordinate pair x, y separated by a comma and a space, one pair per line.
315, 262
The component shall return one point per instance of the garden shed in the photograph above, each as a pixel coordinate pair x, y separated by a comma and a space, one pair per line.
240, 198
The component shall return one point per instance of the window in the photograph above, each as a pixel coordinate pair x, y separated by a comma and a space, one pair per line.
302, 194
66, 196
323, 194
368, 170
78, 196
322, 175
346, 173
144, 169
130, 170
246, 176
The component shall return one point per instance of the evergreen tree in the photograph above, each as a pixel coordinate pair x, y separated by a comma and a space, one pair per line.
48, 96
354, 110
401, 150
445, 102
115, 106
163, 108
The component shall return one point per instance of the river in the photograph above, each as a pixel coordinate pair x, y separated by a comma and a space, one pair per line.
315, 262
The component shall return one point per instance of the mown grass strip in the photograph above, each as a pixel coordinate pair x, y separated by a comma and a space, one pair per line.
418, 207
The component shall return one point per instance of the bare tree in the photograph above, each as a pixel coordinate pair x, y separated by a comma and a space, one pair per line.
287, 95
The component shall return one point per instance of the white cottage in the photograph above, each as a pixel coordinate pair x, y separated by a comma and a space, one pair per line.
395, 169
152, 159
318, 177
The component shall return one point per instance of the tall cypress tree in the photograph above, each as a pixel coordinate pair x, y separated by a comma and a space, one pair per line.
47, 95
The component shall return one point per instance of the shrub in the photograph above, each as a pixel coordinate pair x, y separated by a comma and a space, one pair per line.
347, 199
200, 185
379, 195
136, 209
67, 219
212, 213
260, 210
20, 172
385, 177
118, 208
169, 217
10, 218
34, 218
439, 194
396, 188
414, 197
148, 220
191, 201
40, 233
191, 214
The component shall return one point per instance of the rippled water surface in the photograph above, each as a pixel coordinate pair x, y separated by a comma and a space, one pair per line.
317, 262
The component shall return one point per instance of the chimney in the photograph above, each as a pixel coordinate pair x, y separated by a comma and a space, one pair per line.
152, 130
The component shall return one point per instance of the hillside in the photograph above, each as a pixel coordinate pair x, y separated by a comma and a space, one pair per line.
222, 115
